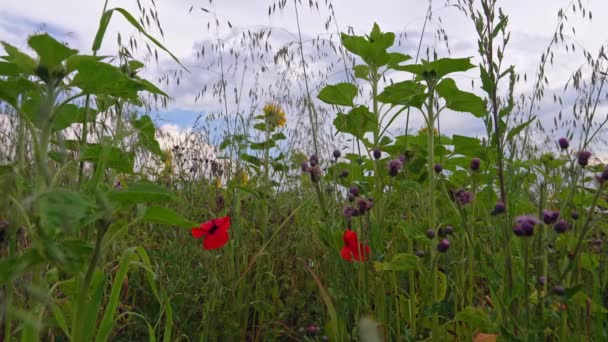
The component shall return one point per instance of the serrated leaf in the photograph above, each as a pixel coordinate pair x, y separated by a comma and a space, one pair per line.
408, 93
361, 71
440, 67
50, 51
341, 94
62, 210
357, 122
146, 131
25, 63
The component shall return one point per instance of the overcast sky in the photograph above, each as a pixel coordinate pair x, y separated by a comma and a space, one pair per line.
532, 23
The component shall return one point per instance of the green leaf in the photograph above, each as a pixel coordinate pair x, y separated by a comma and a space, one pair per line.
476, 319
516, 130
50, 51
341, 94
394, 58
460, 101
278, 136
401, 262
442, 286
147, 134
361, 71
12, 88
105, 21
372, 49
166, 216
25, 63
66, 116
14, 266
251, 159
62, 210
407, 93
114, 158
9, 69
440, 67
263, 145
467, 146
140, 193
357, 122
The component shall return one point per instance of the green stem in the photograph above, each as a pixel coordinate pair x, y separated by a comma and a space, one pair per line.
430, 118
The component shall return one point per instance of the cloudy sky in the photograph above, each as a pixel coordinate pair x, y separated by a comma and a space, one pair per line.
532, 23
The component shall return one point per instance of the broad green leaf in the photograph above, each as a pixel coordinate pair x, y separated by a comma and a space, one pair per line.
361, 71
400, 262
407, 93
477, 319
440, 67
263, 145
147, 134
394, 58
50, 51
460, 101
140, 193
442, 286
14, 266
251, 159
117, 159
24, 62
278, 136
341, 94
357, 122
372, 49
8, 69
12, 88
66, 116
467, 146
75, 62
166, 216
62, 210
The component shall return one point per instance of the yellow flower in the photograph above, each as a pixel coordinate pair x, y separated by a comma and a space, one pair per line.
274, 115
168, 160
423, 130
243, 177
218, 182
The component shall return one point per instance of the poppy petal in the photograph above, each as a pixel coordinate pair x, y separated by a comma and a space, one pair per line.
202, 230
223, 222
346, 254
216, 240
350, 238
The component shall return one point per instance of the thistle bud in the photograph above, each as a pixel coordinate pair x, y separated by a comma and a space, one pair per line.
443, 245
377, 153
337, 154
583, 158
475, 164
313, 160
438, 168
563, 143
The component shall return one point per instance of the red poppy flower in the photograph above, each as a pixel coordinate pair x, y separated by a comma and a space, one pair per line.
214, 232
353, 250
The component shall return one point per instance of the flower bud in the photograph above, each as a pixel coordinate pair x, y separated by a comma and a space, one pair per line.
394, 166
438, 168
443, 245
313, 160
475, 164
563, 143
499, 208
583, 158
430, 233
337, 154
377, 153
561, 226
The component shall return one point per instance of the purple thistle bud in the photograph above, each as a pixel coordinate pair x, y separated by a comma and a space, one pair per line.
559, 290
563, 143
438, 168
526, 223
377, 153
583, 158
463, 197
574, 215
402, 158
430, 233
315, 173
337, 154
550, 216
304, 166
394, 166
313, 160
351, 198
518, 230
364, 206
343, 174
561, 226
354, 191
499, 208
349, 212
475, 164
443, 245
449, 230
542, 280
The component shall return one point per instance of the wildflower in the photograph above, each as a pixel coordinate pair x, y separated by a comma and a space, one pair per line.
574, 215
525, 225
315, 173
499, 208
475, 164
304, 166
438, 168
377, 153
353, 250
430, 233
218, 182
313, 160
561, 226
343, 174
349, 212
550, 216
274, 115
463, 197
447, 230
354, 190
364, 206
583, 158
351, 198
604, 175
243, 177
394, 166
563, 143
443, 245
542, 280
337, 154
214, 232
402, 158
559, 290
